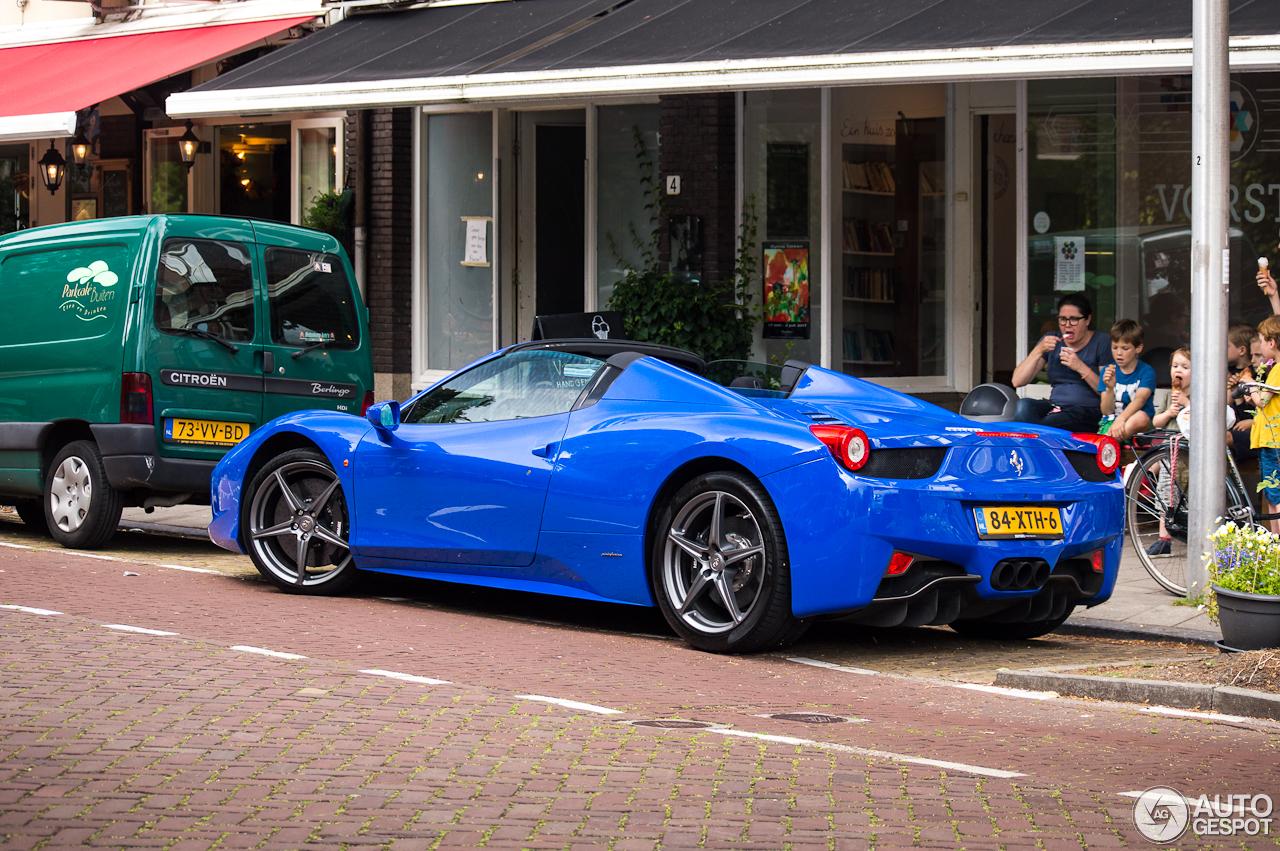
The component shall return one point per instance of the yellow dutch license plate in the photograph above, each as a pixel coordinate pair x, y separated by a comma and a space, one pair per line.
207, 432
1018, 521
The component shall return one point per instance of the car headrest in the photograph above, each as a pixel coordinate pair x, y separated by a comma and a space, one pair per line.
990, 403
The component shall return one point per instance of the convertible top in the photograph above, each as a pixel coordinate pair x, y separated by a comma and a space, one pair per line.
605, 349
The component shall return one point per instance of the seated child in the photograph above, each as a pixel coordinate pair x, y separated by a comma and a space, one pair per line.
1127, 385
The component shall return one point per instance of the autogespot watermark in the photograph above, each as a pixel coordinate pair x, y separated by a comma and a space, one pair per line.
1162, 814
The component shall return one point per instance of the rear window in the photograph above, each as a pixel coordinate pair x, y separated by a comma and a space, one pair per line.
205, 285
310, 300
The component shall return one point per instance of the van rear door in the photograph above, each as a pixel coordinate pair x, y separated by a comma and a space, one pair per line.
206, 338
313, 331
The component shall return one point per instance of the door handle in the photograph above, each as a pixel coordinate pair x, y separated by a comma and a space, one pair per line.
548, 451
268, 361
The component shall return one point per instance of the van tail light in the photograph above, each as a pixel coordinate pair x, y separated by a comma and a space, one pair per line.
135, 398
1108, 450
366, 403
849, 445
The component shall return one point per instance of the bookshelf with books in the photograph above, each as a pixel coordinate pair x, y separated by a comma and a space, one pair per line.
871, 283
893, 217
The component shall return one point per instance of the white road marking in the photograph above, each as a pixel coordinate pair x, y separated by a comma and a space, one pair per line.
244, 648
408, 678
831, 667
106, 558
1000, 690
570, 704
1007, 691
874, 754
29, 610
138, 629
1188, 713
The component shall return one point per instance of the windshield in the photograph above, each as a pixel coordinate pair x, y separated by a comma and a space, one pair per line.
529, 383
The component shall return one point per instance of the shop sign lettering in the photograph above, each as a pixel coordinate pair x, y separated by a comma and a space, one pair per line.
1178, 197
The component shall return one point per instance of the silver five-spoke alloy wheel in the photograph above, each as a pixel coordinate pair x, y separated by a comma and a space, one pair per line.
713, 562
298, 524
71, 493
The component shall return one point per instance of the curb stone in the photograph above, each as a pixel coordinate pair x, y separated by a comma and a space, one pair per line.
1225, 699
1097, 628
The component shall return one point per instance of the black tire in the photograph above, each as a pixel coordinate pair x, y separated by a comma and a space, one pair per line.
692, 573
81, 509
294, 511
1010, 631
32, 513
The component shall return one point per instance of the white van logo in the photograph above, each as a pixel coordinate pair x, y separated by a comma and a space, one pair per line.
86, 291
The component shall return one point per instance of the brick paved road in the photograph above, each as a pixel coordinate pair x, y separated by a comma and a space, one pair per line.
115, 739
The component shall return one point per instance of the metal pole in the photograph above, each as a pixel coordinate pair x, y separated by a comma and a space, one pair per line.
1210, 179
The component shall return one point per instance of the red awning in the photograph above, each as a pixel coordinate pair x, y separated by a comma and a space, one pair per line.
41, 84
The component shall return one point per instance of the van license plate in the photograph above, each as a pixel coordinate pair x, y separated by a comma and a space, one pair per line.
1017, 521
205, 432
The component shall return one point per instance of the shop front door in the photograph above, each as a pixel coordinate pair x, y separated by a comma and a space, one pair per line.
996, 233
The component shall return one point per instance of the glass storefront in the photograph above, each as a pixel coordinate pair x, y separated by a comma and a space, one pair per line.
459, 277
1109, 201
782, 184
317, 164
625, 135
254, 171
15, 183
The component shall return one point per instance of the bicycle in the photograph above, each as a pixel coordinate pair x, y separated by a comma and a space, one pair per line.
1156, 496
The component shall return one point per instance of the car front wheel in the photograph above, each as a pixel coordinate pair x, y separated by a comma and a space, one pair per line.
721, 569
296, 524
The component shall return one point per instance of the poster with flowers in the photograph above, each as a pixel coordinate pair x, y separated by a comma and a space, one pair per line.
786, 290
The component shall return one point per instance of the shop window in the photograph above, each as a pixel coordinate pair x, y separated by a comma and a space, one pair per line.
460, 233
167, 185
318, 162
15, 188
622, 220
782, 168
254, 172
892, 206
1109, 201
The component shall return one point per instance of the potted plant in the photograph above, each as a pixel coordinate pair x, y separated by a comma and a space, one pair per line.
1245, 576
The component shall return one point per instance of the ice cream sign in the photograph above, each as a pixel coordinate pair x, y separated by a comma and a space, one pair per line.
88, 291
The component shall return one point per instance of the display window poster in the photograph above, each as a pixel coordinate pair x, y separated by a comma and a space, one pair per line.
786, 290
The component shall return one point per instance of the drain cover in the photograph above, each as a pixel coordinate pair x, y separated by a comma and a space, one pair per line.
673, 724
810, 718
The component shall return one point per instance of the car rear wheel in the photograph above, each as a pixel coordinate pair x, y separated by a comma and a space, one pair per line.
31, 511
1010, 631
81, 509
721, 570
296, 524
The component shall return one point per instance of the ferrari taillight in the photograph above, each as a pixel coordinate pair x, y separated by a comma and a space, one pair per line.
1108, 450
849, 445
899, 563
135, 398
1096, 561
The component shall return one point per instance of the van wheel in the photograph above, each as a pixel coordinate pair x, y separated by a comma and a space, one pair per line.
80, 506
32, 513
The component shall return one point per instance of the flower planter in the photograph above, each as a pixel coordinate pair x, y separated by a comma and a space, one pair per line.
1249, 621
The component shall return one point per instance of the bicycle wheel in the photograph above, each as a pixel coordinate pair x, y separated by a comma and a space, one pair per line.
1157, 492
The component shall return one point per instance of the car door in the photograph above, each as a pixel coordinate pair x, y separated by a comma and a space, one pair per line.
464, 479
315, 354
204, 341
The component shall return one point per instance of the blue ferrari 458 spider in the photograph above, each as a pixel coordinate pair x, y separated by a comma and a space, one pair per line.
744, 507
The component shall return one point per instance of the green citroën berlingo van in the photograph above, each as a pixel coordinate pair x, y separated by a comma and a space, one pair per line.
135, 351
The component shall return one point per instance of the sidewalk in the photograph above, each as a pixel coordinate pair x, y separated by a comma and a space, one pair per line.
1138, 606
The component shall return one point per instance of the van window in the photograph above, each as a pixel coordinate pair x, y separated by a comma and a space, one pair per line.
204, 285
310, 300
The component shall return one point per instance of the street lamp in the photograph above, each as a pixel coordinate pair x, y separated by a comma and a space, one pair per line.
52, 167
80, 148
189, 146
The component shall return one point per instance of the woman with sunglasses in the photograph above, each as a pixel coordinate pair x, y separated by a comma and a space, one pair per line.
1075, 357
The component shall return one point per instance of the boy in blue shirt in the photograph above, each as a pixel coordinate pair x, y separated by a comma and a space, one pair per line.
1127, 385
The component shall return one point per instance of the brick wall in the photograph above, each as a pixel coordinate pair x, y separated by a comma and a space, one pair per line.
390, 241
698, 142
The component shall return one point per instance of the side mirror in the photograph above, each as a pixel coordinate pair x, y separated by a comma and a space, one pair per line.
384, 415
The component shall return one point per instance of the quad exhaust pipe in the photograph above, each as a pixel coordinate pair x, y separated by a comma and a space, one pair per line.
1020, 574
